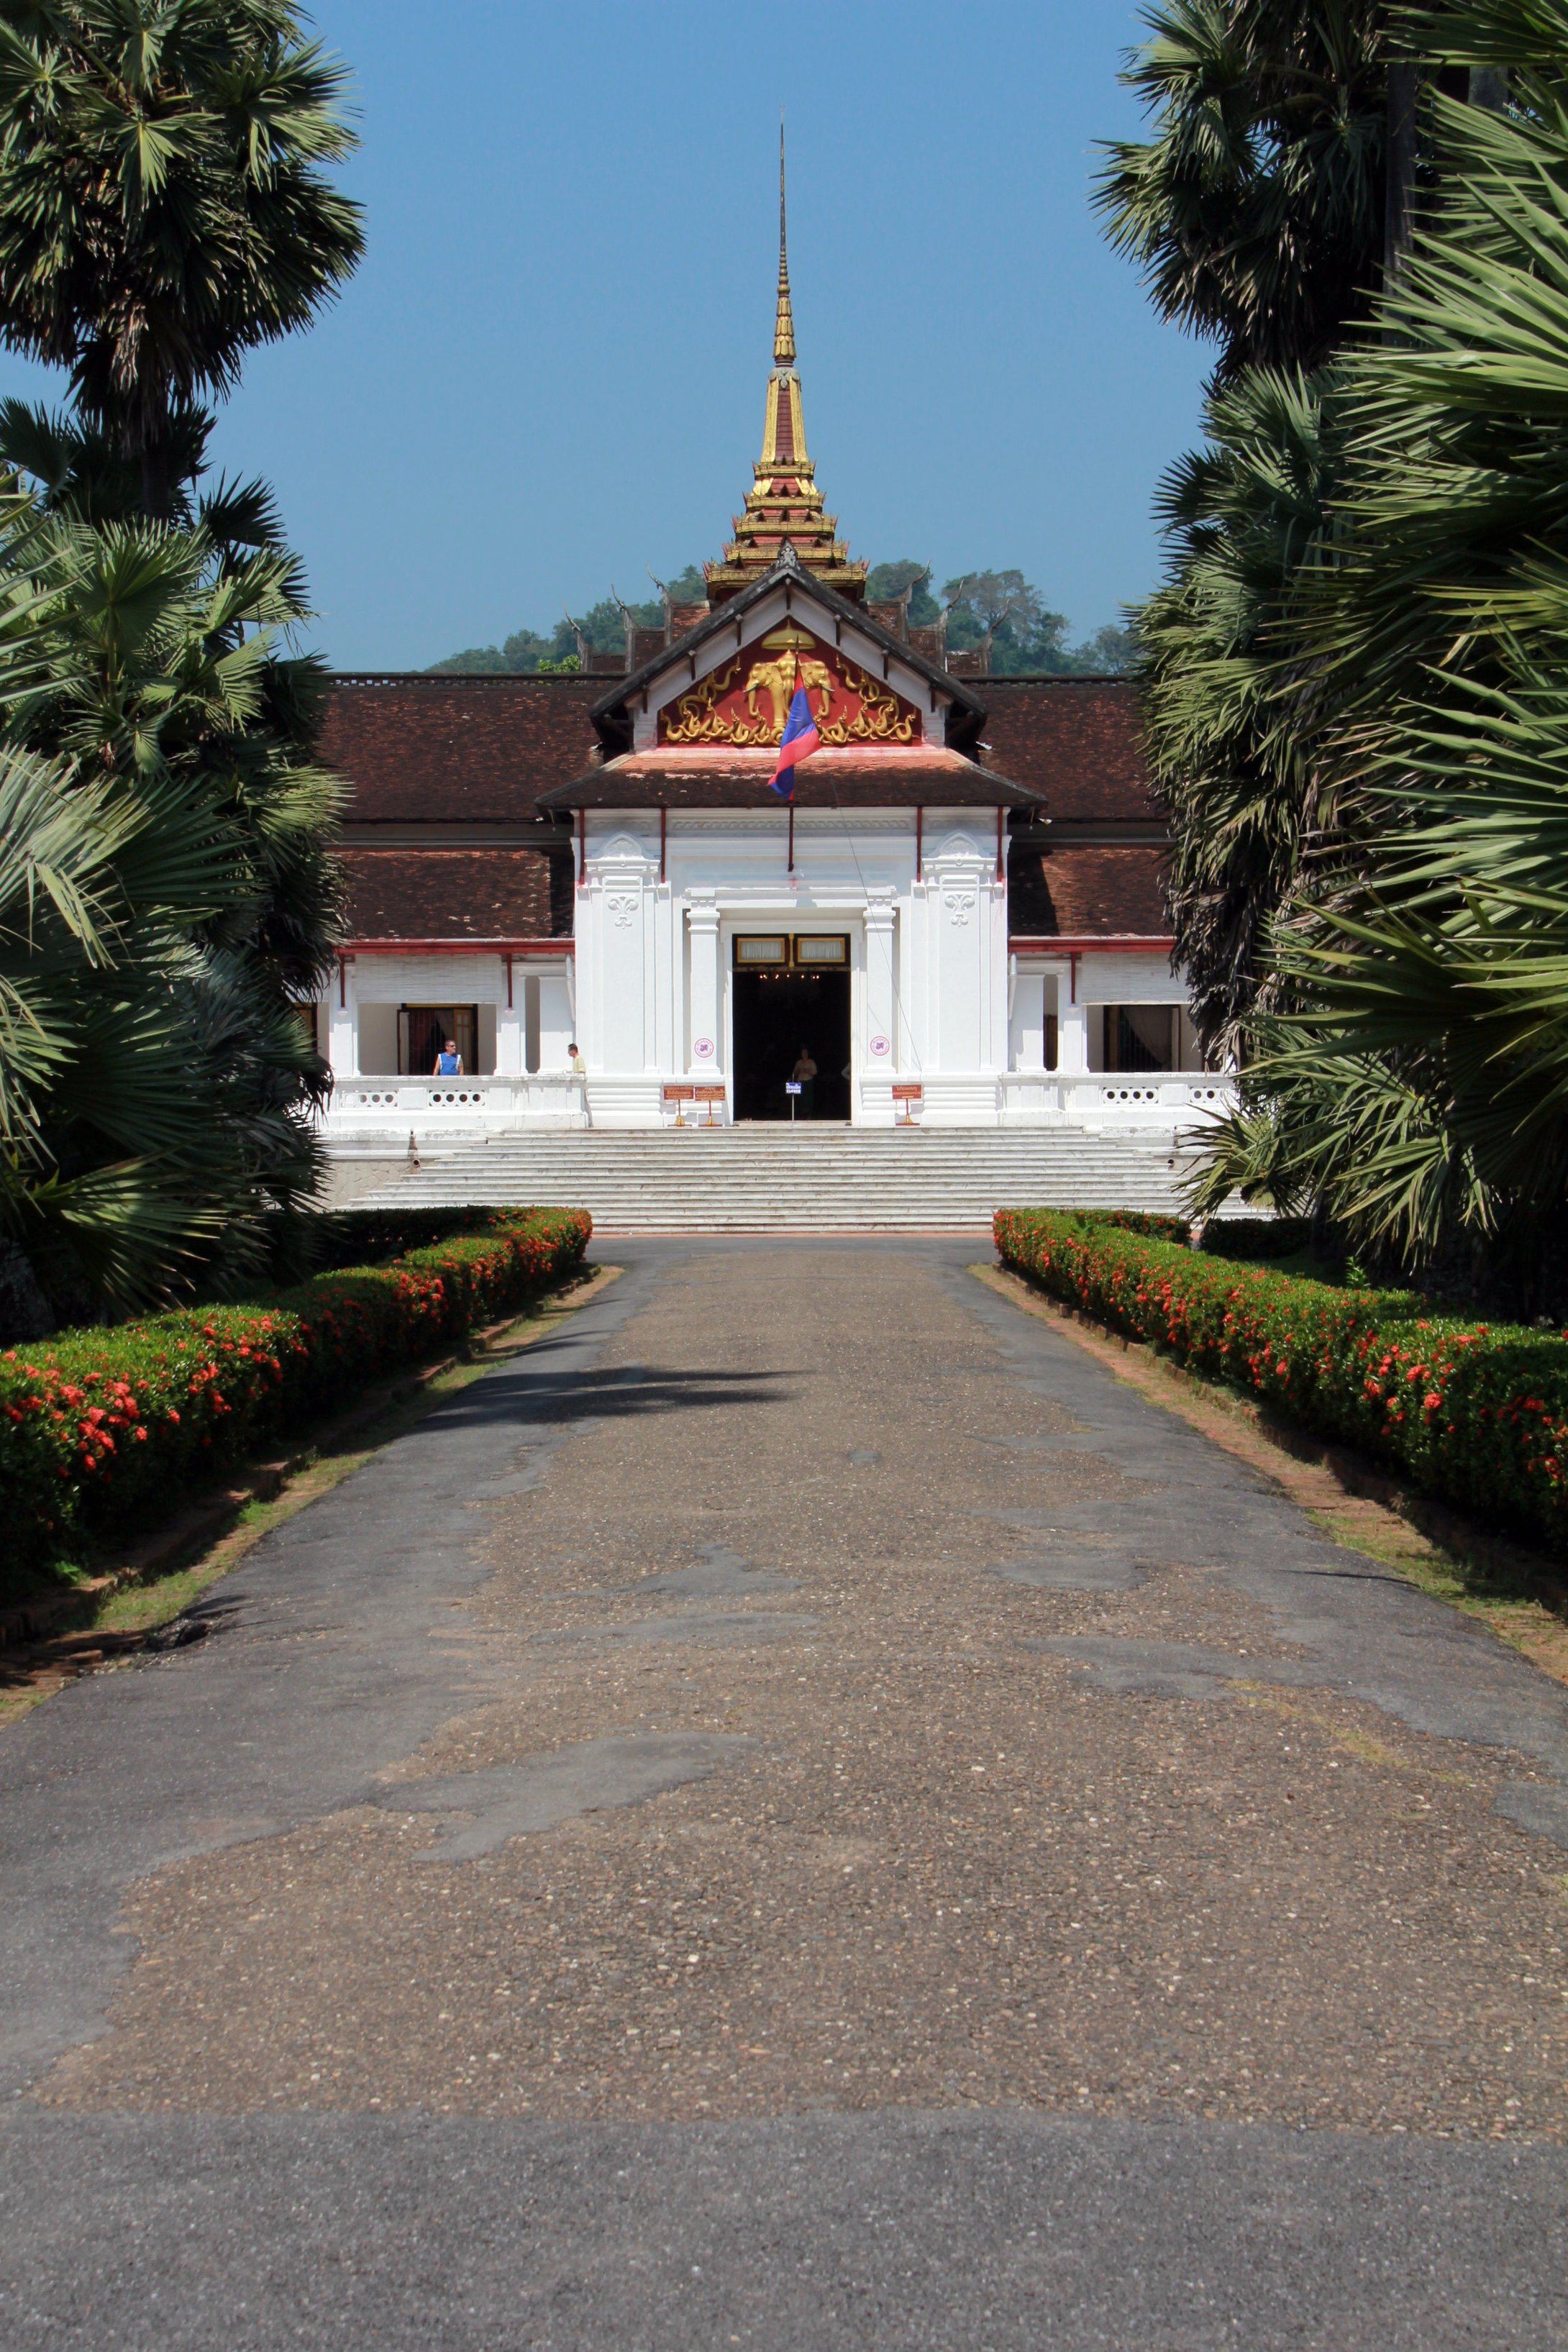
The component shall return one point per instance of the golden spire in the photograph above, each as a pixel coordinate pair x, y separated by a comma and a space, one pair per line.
783, 324
783, 506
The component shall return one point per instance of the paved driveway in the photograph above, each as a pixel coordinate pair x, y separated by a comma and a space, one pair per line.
799, 1813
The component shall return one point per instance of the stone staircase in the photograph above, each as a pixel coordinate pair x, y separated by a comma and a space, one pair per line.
818, 1179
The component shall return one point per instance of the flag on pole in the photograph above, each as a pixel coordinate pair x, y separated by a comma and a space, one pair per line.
800, 741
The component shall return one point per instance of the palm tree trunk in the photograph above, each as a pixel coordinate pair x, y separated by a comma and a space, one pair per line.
157, 497
1399, 207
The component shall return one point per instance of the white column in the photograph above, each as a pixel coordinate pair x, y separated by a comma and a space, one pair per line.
343, 1022
702, 926
881, 945
1028, 1023
508, 1027
1072, 1039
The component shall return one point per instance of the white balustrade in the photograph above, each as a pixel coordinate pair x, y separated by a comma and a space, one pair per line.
431, 1106
1132, 1098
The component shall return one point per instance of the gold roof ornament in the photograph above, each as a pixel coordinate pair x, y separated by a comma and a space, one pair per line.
783, 322
783, 506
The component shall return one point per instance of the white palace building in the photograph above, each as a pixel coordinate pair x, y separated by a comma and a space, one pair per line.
959, 919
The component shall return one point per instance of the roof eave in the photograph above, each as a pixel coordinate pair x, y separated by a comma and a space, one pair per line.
597, 790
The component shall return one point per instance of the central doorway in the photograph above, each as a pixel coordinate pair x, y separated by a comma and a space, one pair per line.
791, 993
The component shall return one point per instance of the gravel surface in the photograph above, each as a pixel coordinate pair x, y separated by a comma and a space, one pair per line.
815, 1696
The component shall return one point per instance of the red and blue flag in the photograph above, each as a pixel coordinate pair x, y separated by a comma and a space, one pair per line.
800, 741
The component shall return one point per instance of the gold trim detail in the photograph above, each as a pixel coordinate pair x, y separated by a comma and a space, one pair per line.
695, 717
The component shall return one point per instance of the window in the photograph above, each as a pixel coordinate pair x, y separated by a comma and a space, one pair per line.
807, 952
1140, 1037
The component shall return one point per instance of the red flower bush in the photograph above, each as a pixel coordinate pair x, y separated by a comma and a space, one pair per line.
1475, 1412
102, 1432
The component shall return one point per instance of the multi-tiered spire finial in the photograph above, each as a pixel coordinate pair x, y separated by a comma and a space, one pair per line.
783, 506
783, 323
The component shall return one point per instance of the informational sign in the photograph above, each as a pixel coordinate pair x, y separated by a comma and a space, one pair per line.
792, 1086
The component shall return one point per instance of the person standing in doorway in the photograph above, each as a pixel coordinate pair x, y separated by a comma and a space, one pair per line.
805, 1071
448, 1061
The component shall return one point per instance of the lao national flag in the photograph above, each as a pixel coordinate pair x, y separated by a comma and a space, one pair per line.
800, 741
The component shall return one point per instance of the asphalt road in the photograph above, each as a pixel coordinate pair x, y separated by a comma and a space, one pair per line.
797, 1812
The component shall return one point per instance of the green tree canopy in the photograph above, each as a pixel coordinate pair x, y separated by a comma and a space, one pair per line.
886, 582
167, 899
998, 606
1419, 1085
163, 208
1256, 209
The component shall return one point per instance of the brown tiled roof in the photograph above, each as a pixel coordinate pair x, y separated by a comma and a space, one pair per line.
456, 894
420, 749
1077, 742
1085, 888
875, 776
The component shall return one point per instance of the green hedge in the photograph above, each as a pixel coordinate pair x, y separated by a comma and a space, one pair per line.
104, 1432
1258, 1238
1136, 1221
342, 1237
1472, 1412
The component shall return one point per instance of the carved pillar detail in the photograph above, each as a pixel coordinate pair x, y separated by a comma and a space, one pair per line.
704, 1000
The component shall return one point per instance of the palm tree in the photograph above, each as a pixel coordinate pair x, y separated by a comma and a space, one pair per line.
1257, 209
166, 901
113, 1172
1242, 519
163, 207
1420, 1088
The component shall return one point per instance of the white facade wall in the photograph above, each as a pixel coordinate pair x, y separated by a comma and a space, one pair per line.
928, 956
936, 999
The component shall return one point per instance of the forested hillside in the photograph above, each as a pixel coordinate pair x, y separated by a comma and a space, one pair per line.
1026, 637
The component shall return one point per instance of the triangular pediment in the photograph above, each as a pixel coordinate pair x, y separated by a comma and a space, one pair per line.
745, 700
729, 681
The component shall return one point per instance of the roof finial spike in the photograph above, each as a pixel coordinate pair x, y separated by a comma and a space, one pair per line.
783, 323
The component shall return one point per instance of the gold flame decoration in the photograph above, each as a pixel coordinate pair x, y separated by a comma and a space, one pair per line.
854, 708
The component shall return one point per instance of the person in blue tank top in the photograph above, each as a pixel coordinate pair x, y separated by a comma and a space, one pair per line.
448, 1061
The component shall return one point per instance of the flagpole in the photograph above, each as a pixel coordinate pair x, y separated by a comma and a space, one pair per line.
790, 866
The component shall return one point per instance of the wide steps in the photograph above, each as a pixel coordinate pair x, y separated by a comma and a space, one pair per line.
818, 1179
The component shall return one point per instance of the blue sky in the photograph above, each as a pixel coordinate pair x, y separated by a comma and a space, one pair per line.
549, 372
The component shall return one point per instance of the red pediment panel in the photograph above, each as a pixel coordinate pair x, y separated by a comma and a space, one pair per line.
746, 700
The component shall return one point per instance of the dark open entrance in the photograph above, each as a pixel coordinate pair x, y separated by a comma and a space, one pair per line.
424, 1029
776, 1014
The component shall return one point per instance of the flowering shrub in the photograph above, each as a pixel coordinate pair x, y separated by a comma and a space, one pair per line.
105, 1430
1472, 1412
1136, 1221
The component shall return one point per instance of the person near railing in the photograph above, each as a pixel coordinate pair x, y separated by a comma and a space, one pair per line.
579, 1070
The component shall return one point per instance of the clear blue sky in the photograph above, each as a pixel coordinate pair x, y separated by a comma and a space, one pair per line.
549, 372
